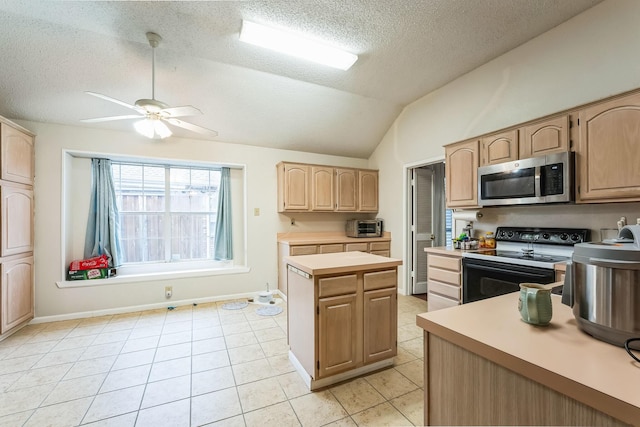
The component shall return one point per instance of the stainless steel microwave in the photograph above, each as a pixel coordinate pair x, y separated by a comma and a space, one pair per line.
364, 228
544, 179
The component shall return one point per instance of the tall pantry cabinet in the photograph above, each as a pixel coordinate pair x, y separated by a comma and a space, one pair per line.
16, 227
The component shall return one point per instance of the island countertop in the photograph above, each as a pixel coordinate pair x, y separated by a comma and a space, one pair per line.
558, 356
341, 262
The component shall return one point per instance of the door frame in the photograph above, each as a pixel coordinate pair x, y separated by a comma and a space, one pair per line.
406, 226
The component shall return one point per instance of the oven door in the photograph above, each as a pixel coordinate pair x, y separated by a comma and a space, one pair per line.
485, 279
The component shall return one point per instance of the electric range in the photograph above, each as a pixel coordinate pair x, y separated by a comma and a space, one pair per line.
522, 254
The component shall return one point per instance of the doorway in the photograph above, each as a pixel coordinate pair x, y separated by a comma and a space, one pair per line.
429, 221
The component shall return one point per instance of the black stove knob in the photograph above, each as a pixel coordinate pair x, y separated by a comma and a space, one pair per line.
575, 237
510, 234
564, 236
546, 236
502, 233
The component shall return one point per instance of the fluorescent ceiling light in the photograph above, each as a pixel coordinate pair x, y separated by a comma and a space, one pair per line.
296, 45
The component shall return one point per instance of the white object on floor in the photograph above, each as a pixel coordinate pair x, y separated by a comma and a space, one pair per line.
265, 296
238, 305
269, 310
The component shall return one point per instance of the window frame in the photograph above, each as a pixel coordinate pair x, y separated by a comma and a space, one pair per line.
72, 248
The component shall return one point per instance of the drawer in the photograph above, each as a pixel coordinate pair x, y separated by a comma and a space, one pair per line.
380, 280
379, 246
437, 302
443, 289
381, 253
444, 262
362, 247
304, 250
446, 276
330, 249
340, 285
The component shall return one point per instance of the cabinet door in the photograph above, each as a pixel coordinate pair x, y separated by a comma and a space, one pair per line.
346, 190
294, 191
367, 191
16, 220
547, 137
338, 335
462, 174
499, 148
17, 292
380, 324
608, 152
16, 155
322, 188
330, 248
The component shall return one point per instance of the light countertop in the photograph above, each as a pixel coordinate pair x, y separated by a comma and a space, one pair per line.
341, 262
559, 356
327, 238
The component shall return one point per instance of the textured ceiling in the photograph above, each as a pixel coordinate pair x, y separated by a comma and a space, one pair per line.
54, 51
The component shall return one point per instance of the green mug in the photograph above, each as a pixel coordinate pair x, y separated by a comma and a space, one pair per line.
534, 303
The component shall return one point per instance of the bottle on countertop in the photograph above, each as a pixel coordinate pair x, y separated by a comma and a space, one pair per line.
489, 240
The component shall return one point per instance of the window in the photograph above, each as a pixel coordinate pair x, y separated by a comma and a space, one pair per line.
167, 213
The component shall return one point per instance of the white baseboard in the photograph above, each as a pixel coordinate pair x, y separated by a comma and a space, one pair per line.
133, 308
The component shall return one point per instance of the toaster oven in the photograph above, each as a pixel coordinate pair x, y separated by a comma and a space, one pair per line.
364, 228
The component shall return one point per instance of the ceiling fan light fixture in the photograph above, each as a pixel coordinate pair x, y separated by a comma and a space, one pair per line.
152, 128
296, 45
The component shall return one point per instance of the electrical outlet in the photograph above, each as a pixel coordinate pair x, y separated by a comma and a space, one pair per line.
168, 291
256, 211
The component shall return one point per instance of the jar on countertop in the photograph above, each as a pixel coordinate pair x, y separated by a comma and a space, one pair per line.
489, 240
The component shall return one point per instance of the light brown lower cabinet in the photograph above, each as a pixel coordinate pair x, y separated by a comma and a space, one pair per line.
16, 276
463, 388
444, 280
342, 322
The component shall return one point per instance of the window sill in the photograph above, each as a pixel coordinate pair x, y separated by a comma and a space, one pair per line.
150, 277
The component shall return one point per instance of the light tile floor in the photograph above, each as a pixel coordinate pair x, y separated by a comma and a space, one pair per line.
192, 366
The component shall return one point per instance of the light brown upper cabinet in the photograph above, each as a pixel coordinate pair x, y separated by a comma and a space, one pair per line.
322, 188
461, 164
545, 137
367, 191
16, 155
293, 187
608, 151
499, 148
346, 190
319, 188
16, 219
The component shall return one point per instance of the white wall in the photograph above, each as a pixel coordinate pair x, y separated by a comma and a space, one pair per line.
260, 163
590, 57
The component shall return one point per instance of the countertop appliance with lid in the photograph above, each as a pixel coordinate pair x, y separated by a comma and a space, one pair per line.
522, 254
602, 286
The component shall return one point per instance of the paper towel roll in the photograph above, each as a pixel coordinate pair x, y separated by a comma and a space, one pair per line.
470, 215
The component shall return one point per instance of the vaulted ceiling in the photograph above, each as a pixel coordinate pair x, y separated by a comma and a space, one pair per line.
53, 51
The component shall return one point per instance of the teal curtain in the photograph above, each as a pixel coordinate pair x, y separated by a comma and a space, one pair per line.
103, 227
223, 239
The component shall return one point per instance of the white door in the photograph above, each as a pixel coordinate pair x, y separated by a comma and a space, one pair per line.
427, 219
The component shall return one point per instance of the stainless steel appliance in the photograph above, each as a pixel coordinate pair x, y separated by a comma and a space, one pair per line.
603, 287
364, 227
522, 255
544, 179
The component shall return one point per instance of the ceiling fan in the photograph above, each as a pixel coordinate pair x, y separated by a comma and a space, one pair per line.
153, 112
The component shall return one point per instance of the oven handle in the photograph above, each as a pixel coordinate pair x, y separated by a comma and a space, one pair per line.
502, 270
536, 182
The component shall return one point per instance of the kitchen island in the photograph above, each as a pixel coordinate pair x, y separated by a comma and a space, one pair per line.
342, 315
484, 366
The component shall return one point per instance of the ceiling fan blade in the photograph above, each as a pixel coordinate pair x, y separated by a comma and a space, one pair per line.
117, 101
108, 119
185, 110
191, 127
